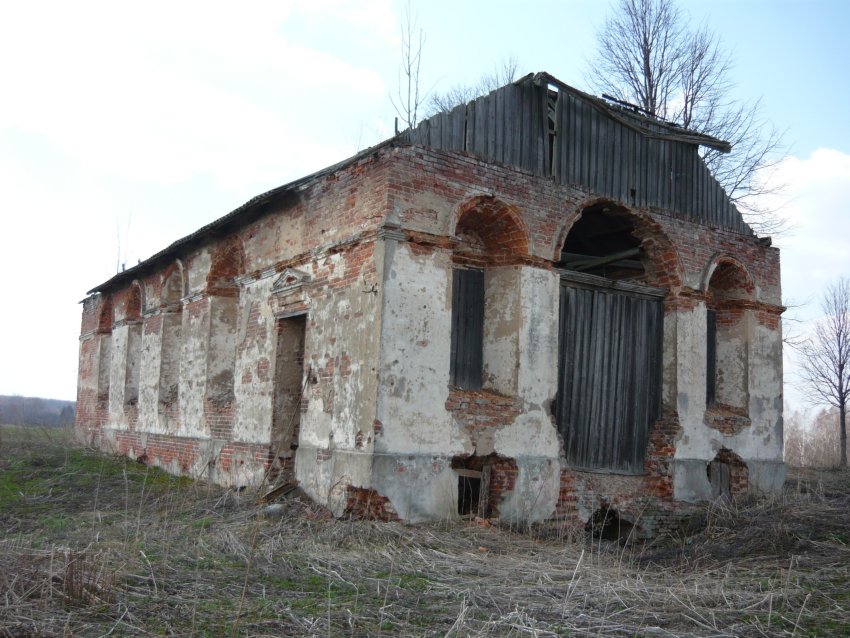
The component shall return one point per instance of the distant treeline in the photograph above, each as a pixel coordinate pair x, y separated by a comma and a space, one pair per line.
18, 410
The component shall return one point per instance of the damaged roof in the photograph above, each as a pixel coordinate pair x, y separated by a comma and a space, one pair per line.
533, 86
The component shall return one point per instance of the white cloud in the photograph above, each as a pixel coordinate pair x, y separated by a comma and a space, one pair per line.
164, 92
816, 251
817, 248
160, 116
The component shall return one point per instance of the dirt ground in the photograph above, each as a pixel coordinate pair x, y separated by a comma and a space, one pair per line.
92, 545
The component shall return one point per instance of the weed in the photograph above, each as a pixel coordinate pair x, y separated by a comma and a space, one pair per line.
95, 545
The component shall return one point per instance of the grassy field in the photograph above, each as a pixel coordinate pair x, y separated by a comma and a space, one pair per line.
92, 545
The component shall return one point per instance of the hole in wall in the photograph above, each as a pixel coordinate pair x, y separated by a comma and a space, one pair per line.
468, 492
606, 523
483, 481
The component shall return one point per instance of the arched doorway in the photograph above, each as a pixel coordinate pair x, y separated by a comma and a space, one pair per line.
611, 337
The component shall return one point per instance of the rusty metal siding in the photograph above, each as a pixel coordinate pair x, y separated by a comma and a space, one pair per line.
590, 145
467, 341
609, 387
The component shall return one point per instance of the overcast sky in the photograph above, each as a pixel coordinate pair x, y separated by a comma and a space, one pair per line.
124, 126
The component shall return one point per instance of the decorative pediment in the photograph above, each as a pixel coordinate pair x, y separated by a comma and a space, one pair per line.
289, 280
289, 293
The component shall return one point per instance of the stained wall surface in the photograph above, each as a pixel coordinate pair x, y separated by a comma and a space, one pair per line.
366, 254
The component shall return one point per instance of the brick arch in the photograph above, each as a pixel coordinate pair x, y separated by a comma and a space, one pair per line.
491, 232
228, 261
135, 302
728, 277
173, 284
738, 477
105, 317
662, 262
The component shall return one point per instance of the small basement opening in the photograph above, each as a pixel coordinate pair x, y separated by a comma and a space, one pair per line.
605, 523
473, 485
728, 475
468, 492
482, 483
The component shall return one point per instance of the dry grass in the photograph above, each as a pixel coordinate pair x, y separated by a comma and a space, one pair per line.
97, 546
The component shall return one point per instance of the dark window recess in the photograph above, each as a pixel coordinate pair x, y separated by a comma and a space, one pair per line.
467, 328
468, 493
719, 478
711, 357
609, 390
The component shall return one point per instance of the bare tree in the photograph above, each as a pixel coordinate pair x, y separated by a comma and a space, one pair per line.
647, 55
408, 100
503, 73
825, 358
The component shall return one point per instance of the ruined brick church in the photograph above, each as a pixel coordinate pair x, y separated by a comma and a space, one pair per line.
537, 305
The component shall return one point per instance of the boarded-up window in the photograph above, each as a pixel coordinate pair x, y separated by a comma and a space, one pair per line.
610, 376
467, 344
710, 357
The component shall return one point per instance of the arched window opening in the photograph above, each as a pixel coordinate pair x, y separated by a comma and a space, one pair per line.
228, 262
728, 300
610, 340
602, 242
489, 243
133, 321
728, 475
104, 366
172, 338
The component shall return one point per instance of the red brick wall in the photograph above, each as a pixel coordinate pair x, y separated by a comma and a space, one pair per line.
520, 219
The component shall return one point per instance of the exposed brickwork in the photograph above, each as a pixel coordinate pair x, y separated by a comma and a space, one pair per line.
366, 504
329, 229
228, 261
490, 232
219, 419
482, 408
502, 478
659, 455
632, 497
726, 419
739, 473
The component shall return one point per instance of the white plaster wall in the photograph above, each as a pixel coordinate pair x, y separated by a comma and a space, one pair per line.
502, 318
193, 372
253, 417
760, 443
171, 348
414, 365
670, 364
221, 347
733, 363
535, 492
419, 436
199, 266
538, 336
117, 375
148, 420
764, 441
104, 364
341, 410
533, 434
532, 440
